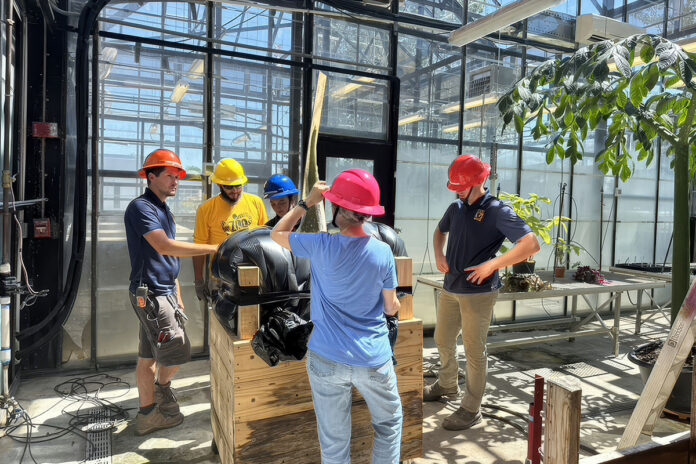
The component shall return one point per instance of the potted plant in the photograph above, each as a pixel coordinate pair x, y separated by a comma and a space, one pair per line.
562, 250
529, 210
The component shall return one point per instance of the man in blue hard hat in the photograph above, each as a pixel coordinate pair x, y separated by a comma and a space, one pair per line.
282, 193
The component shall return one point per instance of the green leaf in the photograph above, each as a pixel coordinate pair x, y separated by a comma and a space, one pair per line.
524, 93
621, 100
667, 54
601, 71
647, 52
569, 119
664, 105
636, 90
621, 56
652, 75
625, 173
672, 81
519, 124
551, 154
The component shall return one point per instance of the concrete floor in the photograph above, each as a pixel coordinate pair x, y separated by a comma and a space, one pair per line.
610, 387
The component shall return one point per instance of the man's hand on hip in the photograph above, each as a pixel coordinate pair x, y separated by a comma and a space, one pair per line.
479, 274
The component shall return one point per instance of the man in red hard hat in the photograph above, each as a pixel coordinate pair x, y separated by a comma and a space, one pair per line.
353, 287
155, 293
474, 227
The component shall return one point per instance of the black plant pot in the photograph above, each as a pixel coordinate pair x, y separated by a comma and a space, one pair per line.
524, 267
680, 399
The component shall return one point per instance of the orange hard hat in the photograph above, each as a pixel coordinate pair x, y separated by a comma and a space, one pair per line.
356, 190
162, 158
465, 172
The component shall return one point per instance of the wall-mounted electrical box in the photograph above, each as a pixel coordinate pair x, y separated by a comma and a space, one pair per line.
42, 228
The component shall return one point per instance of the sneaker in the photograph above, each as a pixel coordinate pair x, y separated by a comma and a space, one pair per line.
165, 399
155, 420
461, 419
434, 391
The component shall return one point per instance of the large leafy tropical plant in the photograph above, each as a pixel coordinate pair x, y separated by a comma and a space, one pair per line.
641, 86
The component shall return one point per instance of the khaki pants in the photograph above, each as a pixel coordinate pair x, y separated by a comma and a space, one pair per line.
471, 314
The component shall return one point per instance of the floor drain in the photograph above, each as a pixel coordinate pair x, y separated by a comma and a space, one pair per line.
99, 437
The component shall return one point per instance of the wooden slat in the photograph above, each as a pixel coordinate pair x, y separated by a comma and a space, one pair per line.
247, 321
670, 449
267, 413
293, 438
562, 428
406, 311
664, 373
249, 276
222, 440
404, 271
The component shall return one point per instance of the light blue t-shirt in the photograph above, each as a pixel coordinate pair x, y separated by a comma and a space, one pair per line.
348, 276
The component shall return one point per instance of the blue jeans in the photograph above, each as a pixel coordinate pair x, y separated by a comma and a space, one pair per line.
332, 384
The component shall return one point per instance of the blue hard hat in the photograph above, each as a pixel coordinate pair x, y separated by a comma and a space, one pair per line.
279, 186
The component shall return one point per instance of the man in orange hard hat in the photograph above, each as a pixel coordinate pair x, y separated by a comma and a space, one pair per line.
155, 293
477, 223
221, 216
353, 287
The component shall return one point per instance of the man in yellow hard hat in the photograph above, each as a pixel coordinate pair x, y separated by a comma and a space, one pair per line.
232, 210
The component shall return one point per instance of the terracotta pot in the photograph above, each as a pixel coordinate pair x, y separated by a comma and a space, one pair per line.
559, 272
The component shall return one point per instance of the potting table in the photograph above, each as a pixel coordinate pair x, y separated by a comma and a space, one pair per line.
663, 309
566, 287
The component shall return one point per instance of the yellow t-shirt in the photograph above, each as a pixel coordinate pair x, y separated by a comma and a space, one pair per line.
216, 219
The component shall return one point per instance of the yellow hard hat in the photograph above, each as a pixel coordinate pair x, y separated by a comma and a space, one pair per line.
229, 172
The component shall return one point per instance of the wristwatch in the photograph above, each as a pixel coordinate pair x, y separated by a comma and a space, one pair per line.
303, 204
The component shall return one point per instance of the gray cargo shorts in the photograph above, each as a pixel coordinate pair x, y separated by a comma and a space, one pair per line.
162, 334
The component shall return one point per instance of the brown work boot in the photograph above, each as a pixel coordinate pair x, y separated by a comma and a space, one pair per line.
434, 391
461, 419
165, 399
155, 420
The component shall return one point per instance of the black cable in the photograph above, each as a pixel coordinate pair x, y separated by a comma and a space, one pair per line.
80, 391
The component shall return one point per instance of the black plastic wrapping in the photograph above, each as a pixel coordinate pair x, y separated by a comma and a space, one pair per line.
387, 235
283, 337
281, 271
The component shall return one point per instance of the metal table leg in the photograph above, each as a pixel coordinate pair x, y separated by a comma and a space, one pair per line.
639, 308
617, 323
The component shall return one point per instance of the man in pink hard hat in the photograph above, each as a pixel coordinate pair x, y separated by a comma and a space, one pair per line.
353, 287
474, 227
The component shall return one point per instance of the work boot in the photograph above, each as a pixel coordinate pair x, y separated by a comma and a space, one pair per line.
434, 391
155, 420
461, 419
165, 399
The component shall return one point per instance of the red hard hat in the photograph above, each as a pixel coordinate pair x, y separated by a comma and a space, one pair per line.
356, 190
162, 158
467, 171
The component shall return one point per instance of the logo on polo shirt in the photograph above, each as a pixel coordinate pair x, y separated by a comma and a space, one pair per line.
480, 214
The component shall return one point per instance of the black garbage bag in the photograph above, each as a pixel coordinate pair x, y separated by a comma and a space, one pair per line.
283, 276
387, 235
283, 337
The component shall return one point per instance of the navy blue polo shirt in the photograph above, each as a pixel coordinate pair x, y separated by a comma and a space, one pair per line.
143, 215
476, 233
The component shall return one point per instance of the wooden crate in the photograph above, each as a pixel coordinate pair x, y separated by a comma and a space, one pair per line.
265, 415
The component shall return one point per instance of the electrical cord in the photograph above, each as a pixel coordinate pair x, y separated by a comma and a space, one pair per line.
82, 395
